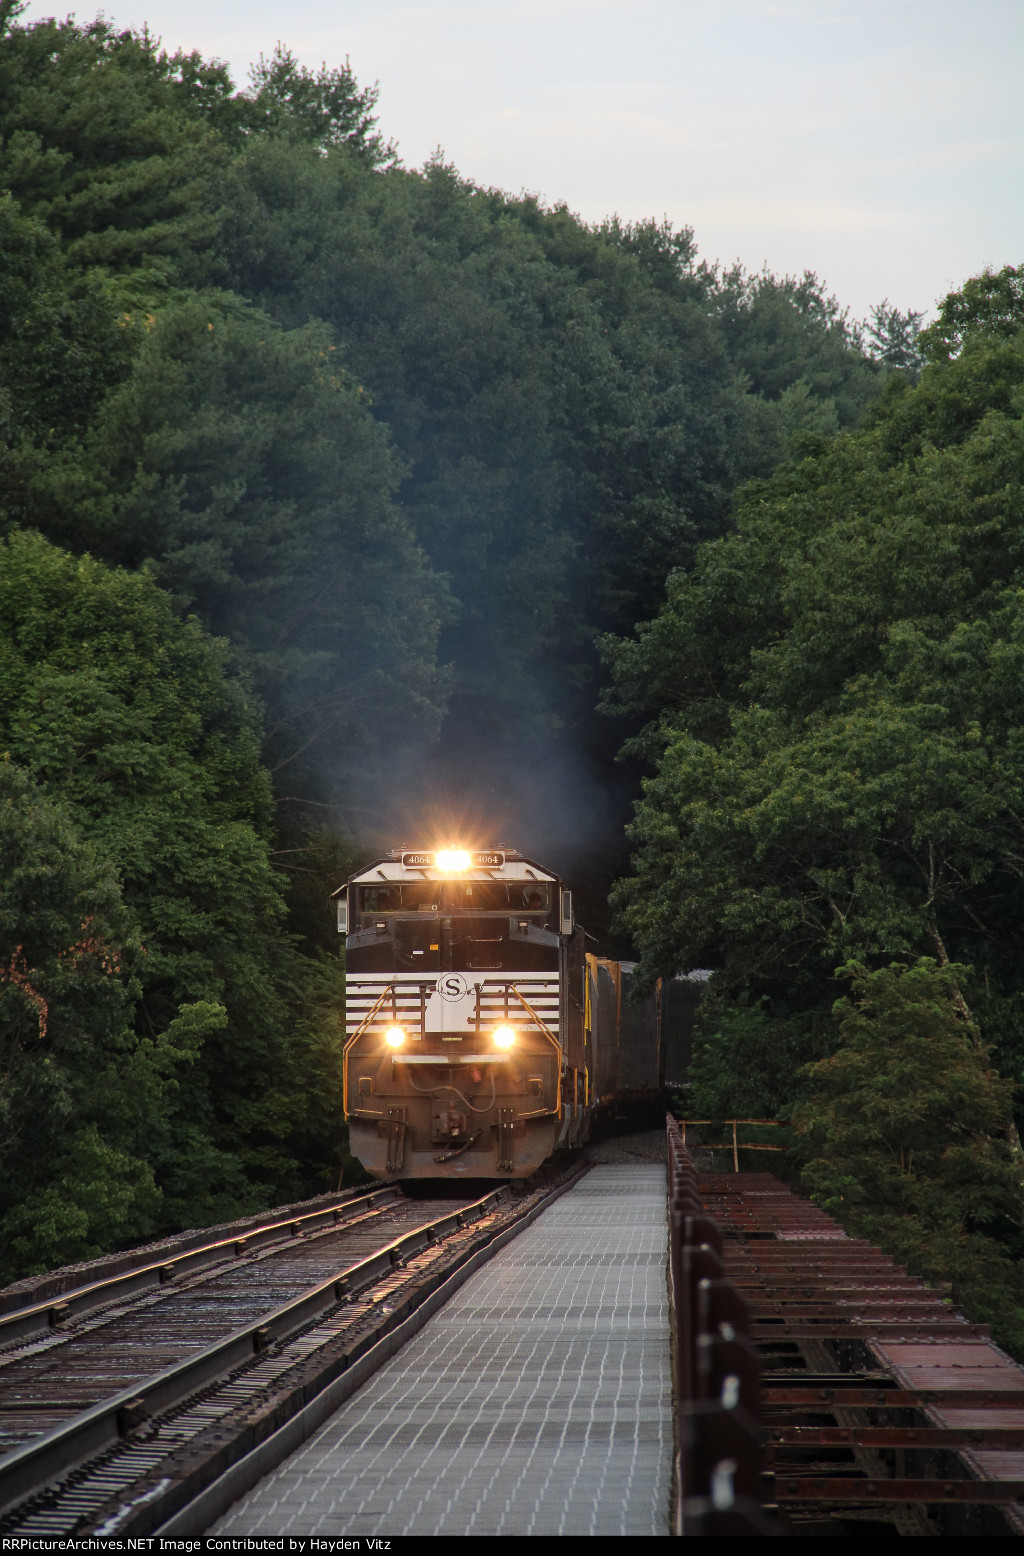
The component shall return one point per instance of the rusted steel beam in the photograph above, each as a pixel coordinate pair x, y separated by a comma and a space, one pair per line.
765, 1258
806, 1292
884, 1398
870, 1291
875, 1328
993, 1436
847, 1489
870, 1307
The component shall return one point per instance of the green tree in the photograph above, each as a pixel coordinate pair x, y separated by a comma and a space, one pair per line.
117, 146
62, 347
800, 353
85, 1099
747, 1058
238, 465
903, 1131
571, 420
571, 407
836, 744
326, 108
893, 338
990, 304
132, 720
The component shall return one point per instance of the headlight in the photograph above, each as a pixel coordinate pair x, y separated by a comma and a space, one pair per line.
394, 1037
504, 1037
453, 860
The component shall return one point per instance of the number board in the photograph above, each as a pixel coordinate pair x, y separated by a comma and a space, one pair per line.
483, 859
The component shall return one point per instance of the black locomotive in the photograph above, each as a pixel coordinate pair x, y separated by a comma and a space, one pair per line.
480, 1035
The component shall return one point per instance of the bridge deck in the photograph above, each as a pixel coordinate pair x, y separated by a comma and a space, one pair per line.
537, 1401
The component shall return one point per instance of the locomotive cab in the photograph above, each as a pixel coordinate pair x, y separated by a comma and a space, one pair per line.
465, 1046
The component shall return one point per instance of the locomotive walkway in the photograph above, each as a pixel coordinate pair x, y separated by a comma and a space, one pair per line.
537, 1401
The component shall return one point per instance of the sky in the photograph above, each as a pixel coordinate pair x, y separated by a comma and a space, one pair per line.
879, 143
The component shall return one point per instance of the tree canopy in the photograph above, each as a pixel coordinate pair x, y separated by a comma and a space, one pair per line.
308, 459
903, 1134
140, 809
835, 689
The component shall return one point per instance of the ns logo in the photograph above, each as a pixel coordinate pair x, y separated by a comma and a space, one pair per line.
452, 986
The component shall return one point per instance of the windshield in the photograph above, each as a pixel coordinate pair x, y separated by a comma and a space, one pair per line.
456, 897
500, 896
404, 897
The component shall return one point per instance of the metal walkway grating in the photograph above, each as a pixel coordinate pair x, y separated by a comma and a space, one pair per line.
537, 1401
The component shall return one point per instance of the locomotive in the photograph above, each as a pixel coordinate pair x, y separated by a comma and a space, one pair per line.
481, 1036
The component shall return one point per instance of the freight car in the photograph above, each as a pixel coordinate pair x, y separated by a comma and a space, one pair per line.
481, 1037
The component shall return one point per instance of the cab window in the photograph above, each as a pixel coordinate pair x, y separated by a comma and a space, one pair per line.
399, 897
501, 896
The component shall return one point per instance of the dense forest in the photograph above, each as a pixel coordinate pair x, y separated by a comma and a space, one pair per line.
833, 703
332, 495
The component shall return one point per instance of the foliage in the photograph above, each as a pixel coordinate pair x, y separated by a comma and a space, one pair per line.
837, 749
791, 338
259, 381
324, 109
111, 142
61, 349
904, 1136
85, 1098
991, 305
893, 339
570, 407
746, 1060
564, 399
130, 717
237, 465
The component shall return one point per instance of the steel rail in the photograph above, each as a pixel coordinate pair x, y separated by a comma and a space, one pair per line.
53, 1313
38, 1462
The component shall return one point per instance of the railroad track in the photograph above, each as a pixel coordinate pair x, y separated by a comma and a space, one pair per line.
95, 1337
138, 1403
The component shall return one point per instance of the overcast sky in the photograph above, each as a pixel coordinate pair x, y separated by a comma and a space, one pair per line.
877, 142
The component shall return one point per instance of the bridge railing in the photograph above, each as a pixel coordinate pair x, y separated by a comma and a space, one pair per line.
735, 1145
719, 1460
